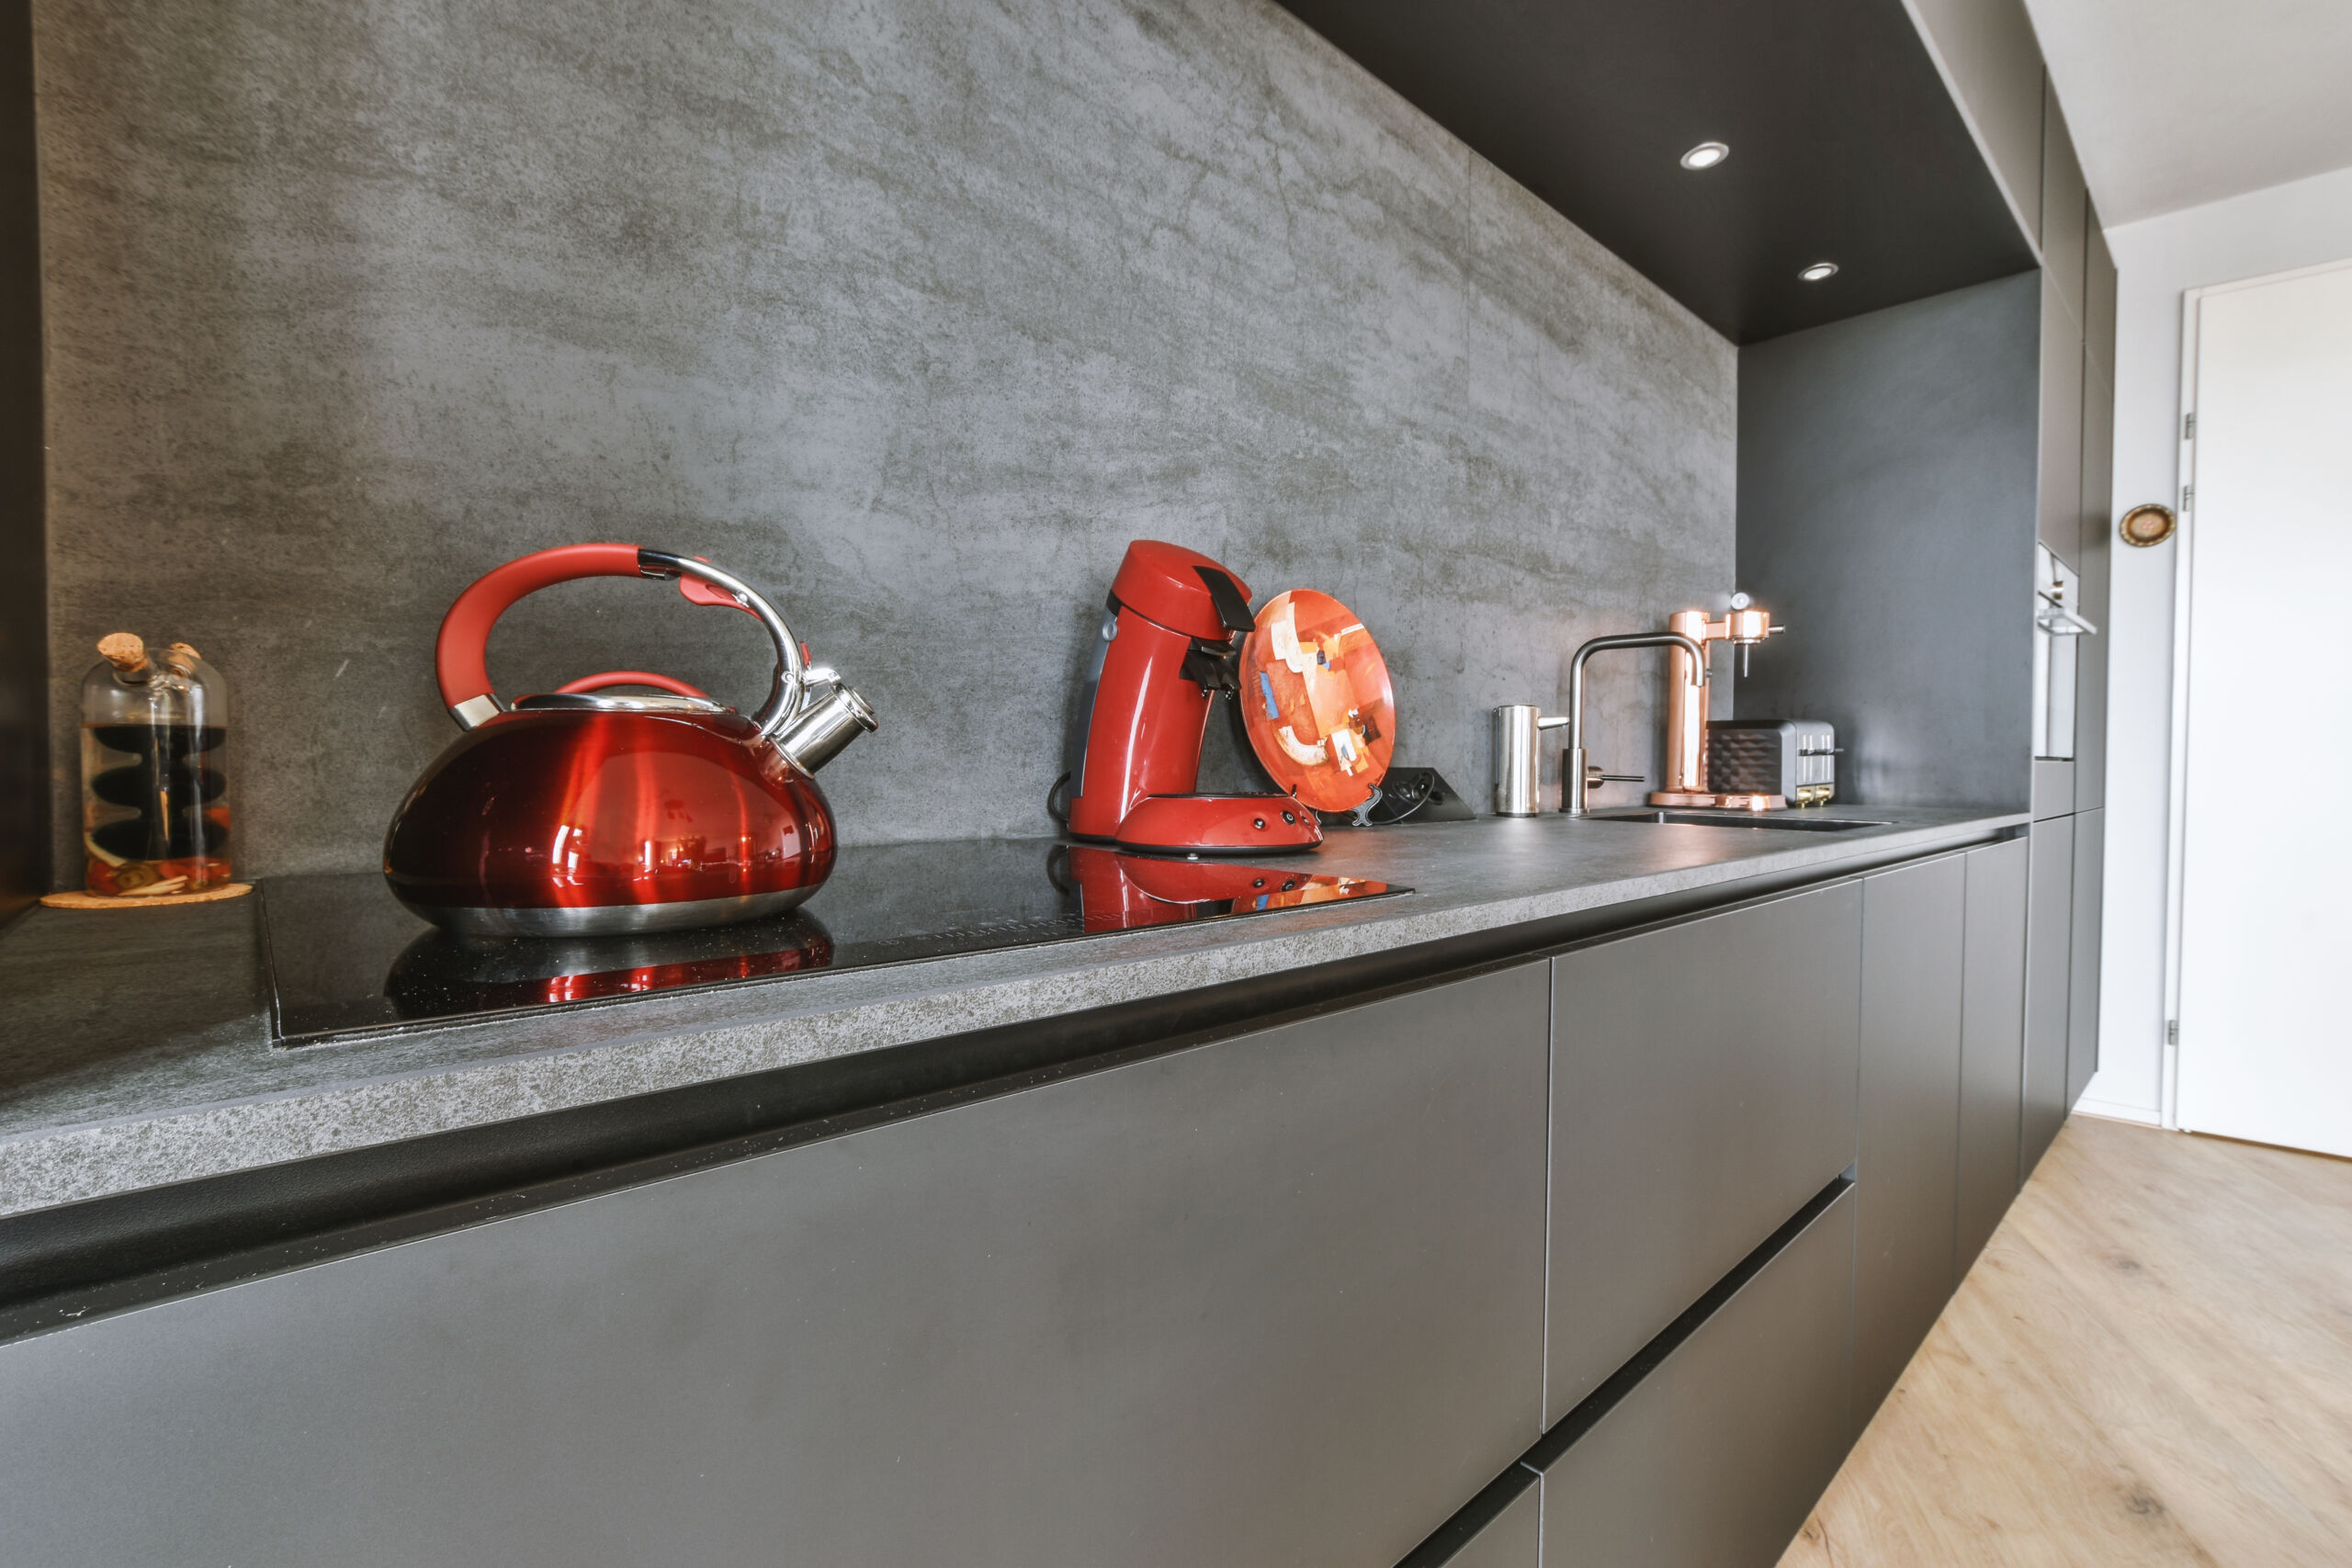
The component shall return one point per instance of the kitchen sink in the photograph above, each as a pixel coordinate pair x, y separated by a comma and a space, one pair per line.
1741, 819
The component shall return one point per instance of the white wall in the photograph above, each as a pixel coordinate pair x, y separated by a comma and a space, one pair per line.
2293, 225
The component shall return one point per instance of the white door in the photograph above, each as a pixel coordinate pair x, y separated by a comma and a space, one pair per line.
2266, 891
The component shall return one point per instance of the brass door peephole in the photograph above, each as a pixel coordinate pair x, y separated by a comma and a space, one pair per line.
2148, 523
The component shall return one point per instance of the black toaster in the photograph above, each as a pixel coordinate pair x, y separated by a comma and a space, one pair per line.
1795, 757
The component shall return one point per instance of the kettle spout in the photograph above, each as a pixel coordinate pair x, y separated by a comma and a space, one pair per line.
830, 718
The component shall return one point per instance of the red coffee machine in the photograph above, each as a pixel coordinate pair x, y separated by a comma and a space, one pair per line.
1166, 637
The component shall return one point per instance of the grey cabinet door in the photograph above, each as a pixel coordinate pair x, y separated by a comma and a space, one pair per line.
2065, 204
2054, 788
1714, 1460
2097, 569
2098, 295
1992, 1043
1905, 1179
1512, 1538
2048, 939
1989, 48
1274, 1300
2059, 509
1702, 1089
2083, 958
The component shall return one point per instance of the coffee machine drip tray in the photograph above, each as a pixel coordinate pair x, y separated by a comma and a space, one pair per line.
346, 959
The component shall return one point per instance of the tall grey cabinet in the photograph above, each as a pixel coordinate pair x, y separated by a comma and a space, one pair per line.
1992, 1044
2049, 978
2076, 514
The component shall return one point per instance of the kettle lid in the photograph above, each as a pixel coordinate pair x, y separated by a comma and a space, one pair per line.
612, 702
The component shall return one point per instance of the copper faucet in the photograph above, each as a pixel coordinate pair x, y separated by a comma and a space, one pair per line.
1742, 626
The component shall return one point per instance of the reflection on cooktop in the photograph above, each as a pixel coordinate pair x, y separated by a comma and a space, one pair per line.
346, 959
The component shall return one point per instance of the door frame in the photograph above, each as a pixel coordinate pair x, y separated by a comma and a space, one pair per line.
2183, 630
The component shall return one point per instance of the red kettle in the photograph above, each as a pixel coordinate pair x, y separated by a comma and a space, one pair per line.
582, 812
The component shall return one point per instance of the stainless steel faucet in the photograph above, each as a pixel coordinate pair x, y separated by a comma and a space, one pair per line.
1575, 779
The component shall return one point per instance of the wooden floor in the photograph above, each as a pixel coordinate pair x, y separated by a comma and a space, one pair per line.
2151, 1363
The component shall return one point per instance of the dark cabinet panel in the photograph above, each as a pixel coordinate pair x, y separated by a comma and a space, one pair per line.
1713, 1459
1275, 1298
2058, 510
2097, 519
1913, 922
2083, 961
1995, 64
1702, 1089
2065, 204
1992, 1043
2050, 934
2098, 294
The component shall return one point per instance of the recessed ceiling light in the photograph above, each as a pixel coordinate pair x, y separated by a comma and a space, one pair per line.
1705, 155
1818, 271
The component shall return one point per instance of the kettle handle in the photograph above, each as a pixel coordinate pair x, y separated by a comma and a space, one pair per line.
460, 655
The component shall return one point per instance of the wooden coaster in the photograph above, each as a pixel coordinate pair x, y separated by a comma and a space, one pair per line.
132, 901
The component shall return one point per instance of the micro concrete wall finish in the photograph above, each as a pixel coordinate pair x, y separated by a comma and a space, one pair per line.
913, 312
1888, 467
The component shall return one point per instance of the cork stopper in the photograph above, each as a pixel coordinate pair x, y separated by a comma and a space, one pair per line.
124, 651
180, 659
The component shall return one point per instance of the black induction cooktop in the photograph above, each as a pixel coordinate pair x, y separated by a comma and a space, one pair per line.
346, 959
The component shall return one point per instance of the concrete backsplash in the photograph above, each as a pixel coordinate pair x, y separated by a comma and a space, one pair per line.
913, 312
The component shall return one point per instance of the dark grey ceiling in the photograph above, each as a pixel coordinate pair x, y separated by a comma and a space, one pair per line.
1845, 146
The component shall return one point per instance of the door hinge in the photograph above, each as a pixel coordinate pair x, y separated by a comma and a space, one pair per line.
2188, 497
2172, 1032
2188, 427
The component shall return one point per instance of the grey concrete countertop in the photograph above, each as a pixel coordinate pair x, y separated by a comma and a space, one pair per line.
135, 1048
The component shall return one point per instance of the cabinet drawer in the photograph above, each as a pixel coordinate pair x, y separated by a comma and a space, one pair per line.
1277, 1299
1702, 1091
1713, 1459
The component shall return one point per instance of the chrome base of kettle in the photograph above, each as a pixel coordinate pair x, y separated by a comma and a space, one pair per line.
606, 919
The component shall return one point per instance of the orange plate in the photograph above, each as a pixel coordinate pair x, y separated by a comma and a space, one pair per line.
1316, 699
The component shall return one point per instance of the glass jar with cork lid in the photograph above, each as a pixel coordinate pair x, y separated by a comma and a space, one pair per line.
154, 797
